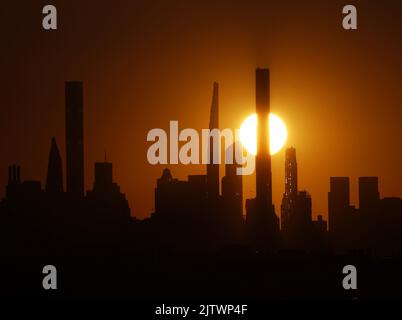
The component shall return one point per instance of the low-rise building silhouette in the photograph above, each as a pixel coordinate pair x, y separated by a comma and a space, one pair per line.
105, 201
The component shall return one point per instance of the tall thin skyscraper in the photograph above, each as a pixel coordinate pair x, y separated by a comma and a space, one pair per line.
54, 180
265, 213
288, 206
213, 169
74, 137
260, 212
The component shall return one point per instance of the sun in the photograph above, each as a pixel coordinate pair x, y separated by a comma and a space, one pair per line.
277, 129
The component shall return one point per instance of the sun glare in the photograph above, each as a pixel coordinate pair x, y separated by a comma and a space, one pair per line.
277, 129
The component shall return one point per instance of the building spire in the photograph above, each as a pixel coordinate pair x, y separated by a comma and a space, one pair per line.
213, 169
54, 180
214, 114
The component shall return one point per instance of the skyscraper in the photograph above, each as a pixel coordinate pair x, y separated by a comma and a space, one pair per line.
289, 197
265, 213
103, 176
213, 169
260, 212
232, 190
369, 196
54, 180
74, 137
106, 202
303, 217
345, 227
338, 204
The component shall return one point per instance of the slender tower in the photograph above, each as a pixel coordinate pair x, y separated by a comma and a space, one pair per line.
54, 180
265, 213
213, 169
74, 137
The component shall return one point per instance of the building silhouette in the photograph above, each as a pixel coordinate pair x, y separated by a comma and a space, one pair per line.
54, 179
298, 229
261, 217
232, 193
22, 194
338, 204
288, 205
177, 200
344, 219
105, 201
264, 207
74, 137
168, 193
103, 176
369, 197
320, 225
303, 216
374, 227
339, 210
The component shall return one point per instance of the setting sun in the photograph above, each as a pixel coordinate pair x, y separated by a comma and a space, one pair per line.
248, 132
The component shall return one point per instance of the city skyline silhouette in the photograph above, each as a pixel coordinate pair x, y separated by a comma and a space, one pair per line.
77, 190
344, 85
293, 217
192, 219
74, 96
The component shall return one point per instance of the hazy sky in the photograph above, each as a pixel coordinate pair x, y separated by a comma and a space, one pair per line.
145, 63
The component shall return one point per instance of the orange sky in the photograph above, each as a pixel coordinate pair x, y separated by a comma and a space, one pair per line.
144, 64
